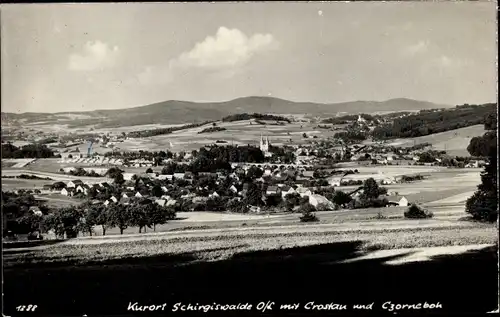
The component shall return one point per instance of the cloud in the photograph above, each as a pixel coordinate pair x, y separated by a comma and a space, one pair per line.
228, 48
420, 47
219, 56
95, 56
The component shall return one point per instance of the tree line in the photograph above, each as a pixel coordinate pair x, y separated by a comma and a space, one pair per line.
26, 151
483, 205
259, 116
435, 121
161, 131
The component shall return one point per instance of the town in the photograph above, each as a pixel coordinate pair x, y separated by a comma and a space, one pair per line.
285, 158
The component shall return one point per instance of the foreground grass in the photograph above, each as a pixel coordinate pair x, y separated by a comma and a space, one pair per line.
227, 244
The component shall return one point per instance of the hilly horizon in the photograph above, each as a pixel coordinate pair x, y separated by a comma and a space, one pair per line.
175, 111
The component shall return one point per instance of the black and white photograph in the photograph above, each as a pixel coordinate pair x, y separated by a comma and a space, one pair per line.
253, 158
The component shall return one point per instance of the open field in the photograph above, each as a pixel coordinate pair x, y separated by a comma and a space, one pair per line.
454, 142
237, 132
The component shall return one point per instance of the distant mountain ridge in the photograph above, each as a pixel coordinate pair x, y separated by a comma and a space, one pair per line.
175, 111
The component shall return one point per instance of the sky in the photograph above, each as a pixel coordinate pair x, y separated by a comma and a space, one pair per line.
79, 57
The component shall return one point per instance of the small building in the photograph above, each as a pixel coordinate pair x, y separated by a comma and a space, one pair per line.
179, 175
138, 195
114, 199
272, 190
65, 192
213, 195
161, 202
35, 210
233, 189
74, 183
303, 191
398, 201
286, 190
129, 176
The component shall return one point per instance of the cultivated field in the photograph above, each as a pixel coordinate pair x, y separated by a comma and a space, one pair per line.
238, 132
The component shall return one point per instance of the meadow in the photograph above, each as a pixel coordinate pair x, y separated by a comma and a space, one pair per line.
454, 142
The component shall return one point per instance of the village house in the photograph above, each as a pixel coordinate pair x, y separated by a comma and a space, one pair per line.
315, 200
138, 195
74, 183
35, 210
233, 189
285, 190
179, 175
214, 195
129, 176
272, 190
303, 191
161, 202
114, 199
66, 192
395, 200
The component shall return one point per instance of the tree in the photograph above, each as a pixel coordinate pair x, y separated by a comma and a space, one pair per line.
159, 215
156, 191
371, 190
118, 217
307, 211
340, 198
416, 212
149, 170
483, 205
64, 221
254, 172
118, 179
253, 195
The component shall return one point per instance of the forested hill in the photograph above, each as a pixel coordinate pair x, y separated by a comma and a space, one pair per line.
434, 121
175, 112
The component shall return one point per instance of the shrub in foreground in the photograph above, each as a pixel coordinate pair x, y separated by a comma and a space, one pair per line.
416, 212
307, 211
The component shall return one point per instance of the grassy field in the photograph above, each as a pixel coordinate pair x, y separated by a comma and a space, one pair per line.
454, 142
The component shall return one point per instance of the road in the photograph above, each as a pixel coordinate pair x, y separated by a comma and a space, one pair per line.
55, 176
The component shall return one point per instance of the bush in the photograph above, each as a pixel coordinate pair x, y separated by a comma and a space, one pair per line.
416, 212
307, 213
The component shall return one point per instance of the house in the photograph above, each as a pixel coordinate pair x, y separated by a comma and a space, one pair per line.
161, 202
335, 181
35, 210
171, 202
163, 177
315, 200
65, 192
308, 174
125, 201
129, 176
82, 189
138, 195
255, 209
164, 189
105, 185
179, 175
285, 190
398, 201
114, 199
272, 190
233, 189
106, 203
125, 195
74, 183
213, 195
303, 191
